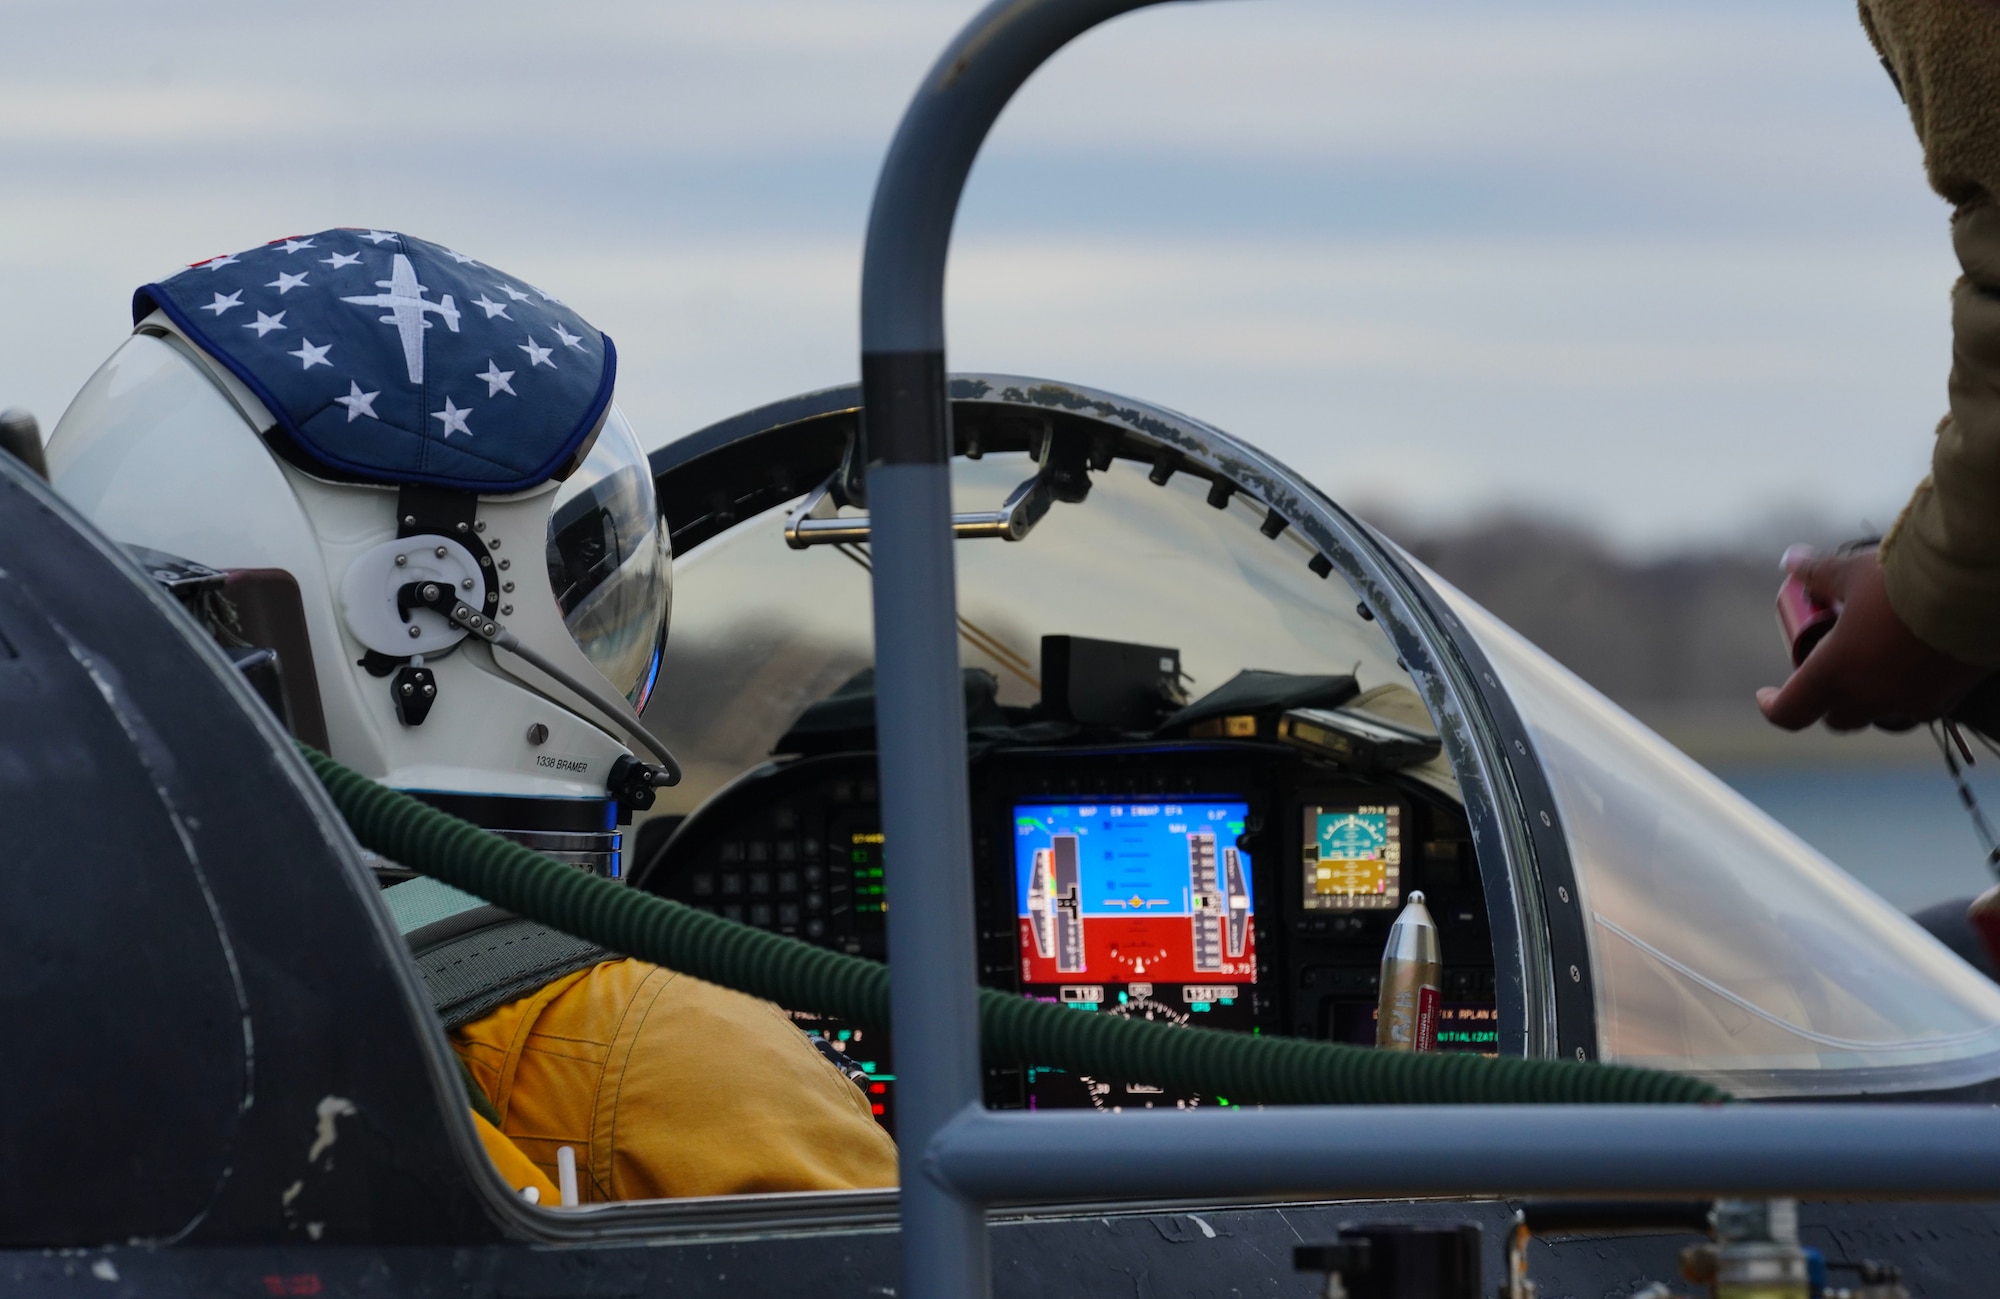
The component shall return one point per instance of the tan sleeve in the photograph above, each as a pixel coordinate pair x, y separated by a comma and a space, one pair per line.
1942, 557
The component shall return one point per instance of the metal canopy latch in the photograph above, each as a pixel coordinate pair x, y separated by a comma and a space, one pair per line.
817, 520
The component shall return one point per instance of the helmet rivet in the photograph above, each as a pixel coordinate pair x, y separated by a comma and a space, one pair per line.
479, 526
408, 689
415, 631
463, 528
409, 520
494, 544
429, 691
506, 563
402, 560
430, 591
538, 734
506, 586
467, 584
440, 552
507, 609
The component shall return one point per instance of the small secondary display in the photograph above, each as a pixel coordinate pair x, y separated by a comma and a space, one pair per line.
1353, 857
1134, 893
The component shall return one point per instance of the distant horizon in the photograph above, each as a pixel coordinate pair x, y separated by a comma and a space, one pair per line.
1668, 271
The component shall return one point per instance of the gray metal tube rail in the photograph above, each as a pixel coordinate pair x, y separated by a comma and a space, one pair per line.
919, 708
956, 1156
1323, 1152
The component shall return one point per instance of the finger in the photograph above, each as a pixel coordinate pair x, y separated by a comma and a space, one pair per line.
1825, 576
1802, 700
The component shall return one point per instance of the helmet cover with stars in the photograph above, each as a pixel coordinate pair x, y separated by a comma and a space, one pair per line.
387, 359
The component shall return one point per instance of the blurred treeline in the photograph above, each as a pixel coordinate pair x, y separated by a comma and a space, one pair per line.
1687, 627
1680, 639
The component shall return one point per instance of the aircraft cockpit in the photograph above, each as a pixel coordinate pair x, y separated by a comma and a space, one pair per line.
1219, 732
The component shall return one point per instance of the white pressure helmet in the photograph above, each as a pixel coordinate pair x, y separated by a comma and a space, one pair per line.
426, 450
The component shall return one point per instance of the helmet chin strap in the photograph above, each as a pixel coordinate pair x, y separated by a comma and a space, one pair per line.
442, 599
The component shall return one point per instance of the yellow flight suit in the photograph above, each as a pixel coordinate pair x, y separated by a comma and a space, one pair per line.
518, 1170
669, 1086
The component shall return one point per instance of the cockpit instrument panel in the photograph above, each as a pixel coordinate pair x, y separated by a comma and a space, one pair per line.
1237, 885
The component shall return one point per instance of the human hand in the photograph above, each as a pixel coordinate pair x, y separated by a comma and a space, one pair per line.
1870, 669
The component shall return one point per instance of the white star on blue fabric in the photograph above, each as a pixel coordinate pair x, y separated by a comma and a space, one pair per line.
496, 379
572, 341
491, 308
378, 237
358, 403
310, 356
537, 355
454, 418
512, 292
265, 324
217, 263
294, 245
286, 283
339, 260
222, 304
549, 297
458, 257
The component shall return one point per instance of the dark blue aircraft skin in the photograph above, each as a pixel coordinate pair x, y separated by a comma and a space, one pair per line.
224, 1076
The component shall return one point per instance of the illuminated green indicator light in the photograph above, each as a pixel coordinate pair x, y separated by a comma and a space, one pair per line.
1122, 998
1199, 1005
1235, 827
1256, 1032
881, 1077
1229, 1001
846, 1034
1223, 1101
867, 1066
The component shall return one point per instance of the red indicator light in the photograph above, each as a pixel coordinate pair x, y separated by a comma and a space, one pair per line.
879, 1108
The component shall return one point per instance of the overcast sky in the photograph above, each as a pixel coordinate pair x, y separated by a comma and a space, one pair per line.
1667, 268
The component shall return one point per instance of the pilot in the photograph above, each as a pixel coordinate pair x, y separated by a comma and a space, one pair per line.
378, 438
1919, 617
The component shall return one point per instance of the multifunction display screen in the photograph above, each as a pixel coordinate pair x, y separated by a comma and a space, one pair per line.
1140, 910
1134, 892
1353, 857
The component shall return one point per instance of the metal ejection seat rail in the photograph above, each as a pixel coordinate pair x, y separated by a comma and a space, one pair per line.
957, 1157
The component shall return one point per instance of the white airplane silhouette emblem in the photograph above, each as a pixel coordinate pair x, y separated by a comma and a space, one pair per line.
405, 301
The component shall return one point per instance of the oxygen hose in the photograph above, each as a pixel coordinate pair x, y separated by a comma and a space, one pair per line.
802, 977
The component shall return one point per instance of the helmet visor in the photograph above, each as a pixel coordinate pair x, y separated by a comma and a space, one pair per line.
609, 562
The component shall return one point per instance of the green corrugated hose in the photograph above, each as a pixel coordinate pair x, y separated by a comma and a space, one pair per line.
803, 977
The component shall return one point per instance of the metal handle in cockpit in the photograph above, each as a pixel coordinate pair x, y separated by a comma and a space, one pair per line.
816, 521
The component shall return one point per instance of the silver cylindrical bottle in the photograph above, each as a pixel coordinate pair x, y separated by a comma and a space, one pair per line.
1412, 972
